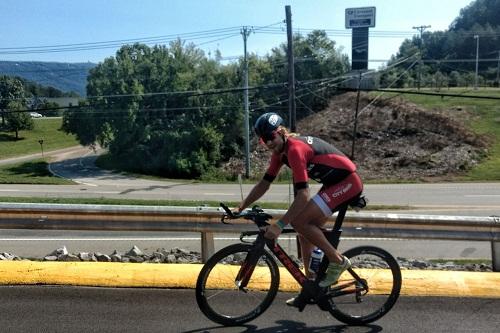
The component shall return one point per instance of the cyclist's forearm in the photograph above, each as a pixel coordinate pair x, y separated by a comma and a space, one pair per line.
255, 194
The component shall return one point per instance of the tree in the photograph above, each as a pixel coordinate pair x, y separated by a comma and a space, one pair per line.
17, 119
316, 57
47, 108
455, 49
148, 112
11, 90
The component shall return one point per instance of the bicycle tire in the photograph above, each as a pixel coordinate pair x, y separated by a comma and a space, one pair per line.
383, 276
218, 296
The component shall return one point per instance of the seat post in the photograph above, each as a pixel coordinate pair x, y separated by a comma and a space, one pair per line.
333, 236
340, 218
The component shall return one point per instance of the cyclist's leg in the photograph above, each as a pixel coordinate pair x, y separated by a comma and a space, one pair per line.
309, 222
306, 247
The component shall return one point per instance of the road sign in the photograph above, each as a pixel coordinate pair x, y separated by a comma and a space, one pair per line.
363, 17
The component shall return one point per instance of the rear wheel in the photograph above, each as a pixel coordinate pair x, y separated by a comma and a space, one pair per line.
218, 291
359, 303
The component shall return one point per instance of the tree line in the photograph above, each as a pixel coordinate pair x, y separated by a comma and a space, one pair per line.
449, 57
173, 111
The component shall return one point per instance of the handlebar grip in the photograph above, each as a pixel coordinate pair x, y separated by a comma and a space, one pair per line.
228, 211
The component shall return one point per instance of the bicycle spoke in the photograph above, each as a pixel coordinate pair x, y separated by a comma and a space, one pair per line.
217, 291
374, 283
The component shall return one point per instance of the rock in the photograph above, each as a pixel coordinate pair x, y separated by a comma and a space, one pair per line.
158, 256
134, 252
116, 257
102, 257
7, 256
69, 257
62, 251
86, 256
136, 259
171, 259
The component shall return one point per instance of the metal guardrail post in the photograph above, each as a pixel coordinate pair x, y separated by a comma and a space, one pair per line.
207, 245
495, 256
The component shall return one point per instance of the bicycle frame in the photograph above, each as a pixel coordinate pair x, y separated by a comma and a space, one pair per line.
262, 288
310, 289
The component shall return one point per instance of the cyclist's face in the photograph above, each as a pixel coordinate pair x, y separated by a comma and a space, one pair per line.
273, 142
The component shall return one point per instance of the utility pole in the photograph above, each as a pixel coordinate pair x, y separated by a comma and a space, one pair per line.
421, 30
291, 70
498, 70
356, 117
476, 37
246, 32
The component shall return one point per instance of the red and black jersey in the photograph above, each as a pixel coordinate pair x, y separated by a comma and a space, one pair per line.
311, 157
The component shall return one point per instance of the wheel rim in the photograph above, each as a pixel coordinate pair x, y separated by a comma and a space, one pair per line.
222, 294
383, 278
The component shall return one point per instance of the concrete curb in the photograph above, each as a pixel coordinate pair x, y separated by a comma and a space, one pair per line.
415, 282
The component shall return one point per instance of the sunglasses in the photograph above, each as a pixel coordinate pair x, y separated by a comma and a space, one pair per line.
268, 136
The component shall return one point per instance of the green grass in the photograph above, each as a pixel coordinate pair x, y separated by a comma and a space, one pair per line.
183, 203
485, 120
31, 172
47, 129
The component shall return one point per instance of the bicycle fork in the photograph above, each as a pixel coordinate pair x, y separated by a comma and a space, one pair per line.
248, 265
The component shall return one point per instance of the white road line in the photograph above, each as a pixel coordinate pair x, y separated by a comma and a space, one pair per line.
481, 195
219, 194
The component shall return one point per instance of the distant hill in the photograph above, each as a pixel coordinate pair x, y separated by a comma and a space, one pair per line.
66, 77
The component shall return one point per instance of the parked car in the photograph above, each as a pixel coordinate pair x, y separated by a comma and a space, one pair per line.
35, 115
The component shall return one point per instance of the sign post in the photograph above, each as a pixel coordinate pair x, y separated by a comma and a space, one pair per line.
360, 20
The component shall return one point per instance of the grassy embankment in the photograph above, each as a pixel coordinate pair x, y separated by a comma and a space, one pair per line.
34, 171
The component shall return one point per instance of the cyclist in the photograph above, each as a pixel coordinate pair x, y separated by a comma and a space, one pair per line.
309, 158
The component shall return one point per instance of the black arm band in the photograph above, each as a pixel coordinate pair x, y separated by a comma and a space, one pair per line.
269, 178
300, 186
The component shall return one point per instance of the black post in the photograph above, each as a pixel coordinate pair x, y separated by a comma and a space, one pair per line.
356, 118
41, 145
291, 71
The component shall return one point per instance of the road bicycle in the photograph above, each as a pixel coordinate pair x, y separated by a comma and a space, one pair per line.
239, 282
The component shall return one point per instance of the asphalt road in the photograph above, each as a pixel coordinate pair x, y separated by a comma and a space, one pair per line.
75, 309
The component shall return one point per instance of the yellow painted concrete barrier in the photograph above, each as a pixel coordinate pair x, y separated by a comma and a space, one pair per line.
415, 282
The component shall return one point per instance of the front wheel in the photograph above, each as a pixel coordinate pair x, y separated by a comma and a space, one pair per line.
369, 289
219, 291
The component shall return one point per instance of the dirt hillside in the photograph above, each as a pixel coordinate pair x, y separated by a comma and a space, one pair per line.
396, 139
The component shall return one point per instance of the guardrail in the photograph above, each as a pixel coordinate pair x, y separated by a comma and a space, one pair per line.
206, 220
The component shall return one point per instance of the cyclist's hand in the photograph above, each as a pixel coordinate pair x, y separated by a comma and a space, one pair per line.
240, 208
272, 231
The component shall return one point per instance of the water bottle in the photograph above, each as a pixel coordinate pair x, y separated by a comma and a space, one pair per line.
316, 257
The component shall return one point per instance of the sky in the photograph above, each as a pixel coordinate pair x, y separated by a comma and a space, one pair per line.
47, 30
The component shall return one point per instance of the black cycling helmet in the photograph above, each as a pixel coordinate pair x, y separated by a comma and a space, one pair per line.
267, 124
